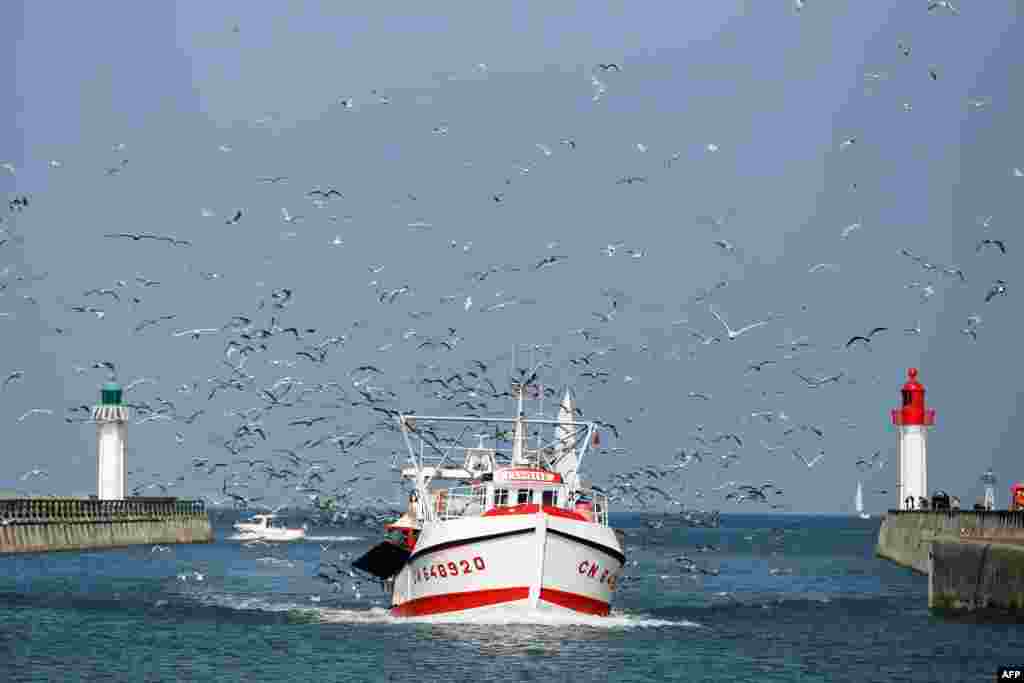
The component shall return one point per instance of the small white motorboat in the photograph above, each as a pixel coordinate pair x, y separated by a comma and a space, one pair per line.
267, 528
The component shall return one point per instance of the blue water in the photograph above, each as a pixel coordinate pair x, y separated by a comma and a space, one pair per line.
830, 611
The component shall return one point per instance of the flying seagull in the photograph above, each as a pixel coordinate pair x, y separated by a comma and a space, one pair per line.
733, 334
994, 243
998, 288
865, 338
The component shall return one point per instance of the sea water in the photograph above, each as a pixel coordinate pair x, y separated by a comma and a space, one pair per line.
795, 598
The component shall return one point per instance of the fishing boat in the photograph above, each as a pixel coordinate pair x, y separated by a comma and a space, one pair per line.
267, 528
858, 502
520, 531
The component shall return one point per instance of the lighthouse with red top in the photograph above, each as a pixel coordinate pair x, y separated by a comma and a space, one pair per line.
911, 420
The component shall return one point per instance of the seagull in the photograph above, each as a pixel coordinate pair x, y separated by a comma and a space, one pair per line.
234, 219
36, 472
196, 333
998, 288
548, 261
823, 266
15, 376
324, 194
943, 4
733, 334
272, 179
849, 229
36, 411
758, 366
847, 143
813, 462
995, 243
866, 338
287, 217
609, 67
153, 321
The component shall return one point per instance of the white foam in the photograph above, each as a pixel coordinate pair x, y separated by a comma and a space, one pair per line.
337, 539
493, 617
500, 617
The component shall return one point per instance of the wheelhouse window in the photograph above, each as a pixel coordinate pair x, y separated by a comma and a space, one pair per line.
908, 397
500, 497
549, 498
524, 496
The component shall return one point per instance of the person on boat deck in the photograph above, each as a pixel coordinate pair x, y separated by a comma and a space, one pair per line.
413, 499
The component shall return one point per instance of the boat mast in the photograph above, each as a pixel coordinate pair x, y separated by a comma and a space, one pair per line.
519, 437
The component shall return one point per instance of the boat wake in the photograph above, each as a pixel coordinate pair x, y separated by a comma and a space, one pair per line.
311, 613
617, 620
336, 539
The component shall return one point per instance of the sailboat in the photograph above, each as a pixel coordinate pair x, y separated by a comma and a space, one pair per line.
859, 502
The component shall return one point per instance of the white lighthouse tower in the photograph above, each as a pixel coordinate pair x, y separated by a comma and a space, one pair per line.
111, 418
989, 480
912, 419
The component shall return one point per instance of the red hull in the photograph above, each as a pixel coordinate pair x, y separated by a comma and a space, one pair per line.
459, 602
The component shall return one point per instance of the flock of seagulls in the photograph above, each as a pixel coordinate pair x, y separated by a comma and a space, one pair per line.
301, 430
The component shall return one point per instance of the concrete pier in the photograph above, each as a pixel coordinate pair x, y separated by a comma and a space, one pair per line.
975, 576
974, 559
46, 524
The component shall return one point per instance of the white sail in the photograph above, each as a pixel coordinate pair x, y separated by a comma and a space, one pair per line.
565, 447
859, 502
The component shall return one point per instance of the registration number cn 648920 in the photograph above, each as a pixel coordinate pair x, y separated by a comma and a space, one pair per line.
444, 570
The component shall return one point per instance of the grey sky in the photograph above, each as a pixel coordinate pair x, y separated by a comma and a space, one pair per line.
776, 92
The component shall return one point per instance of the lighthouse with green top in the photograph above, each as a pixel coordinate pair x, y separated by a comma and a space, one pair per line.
111, 418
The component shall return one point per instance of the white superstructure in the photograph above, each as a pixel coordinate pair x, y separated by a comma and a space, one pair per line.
111, 418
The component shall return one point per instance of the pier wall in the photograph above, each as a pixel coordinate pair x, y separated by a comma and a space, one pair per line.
46, 524
975, 576
905, 536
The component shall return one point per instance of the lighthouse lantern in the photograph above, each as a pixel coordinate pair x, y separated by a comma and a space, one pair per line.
911, 420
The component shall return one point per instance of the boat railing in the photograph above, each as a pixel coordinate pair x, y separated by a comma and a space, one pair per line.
458, 501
